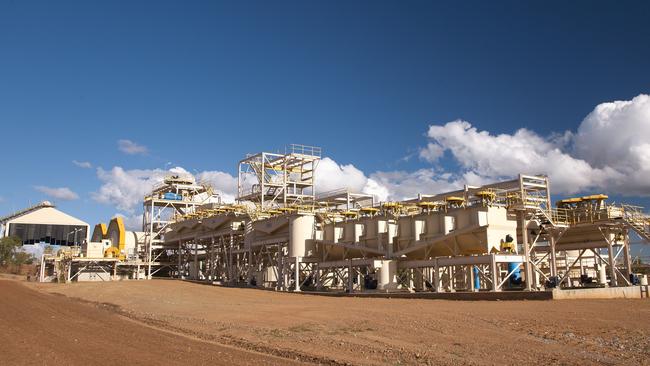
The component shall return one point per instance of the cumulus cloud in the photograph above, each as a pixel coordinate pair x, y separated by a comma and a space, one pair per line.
380, 191
125, 189
132, 222
130, 147
616, 136
223, 183
399, 185
61, 193
432, 152
388, 185
609, 151
331, 175
82, 164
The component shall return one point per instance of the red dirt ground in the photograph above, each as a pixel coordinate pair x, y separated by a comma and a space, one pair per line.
313, 329
44, 329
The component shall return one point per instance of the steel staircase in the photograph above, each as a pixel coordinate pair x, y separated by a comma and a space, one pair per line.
550, 217
637, 221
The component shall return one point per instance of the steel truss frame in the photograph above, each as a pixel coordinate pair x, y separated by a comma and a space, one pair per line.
279, 180
159, 212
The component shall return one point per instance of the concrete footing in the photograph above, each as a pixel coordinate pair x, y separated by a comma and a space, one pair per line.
631, 292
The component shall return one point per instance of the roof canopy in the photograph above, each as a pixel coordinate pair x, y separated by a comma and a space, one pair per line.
46, 215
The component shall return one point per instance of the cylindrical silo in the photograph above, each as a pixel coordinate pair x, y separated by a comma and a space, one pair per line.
301, 230
387, 273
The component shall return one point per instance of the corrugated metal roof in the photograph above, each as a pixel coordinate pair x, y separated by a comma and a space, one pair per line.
43, 215
26, 211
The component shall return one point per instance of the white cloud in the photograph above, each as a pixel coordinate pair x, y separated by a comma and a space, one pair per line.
391, 185
485, 157
223, 183
125, 189
82, 164
132, 222
616, 136
399, 185
380, 191
61, 193
130, 147
432, 152
610, 151
330, 176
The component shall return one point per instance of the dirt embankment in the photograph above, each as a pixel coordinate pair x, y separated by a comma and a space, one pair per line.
384, 331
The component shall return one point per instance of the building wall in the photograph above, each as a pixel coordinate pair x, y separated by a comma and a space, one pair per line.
47, 233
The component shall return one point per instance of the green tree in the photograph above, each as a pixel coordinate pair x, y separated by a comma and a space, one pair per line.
21, 258
8, 247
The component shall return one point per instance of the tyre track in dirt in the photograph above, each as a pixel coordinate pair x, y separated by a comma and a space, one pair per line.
44, 329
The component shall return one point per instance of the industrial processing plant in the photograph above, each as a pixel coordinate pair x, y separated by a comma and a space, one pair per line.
504, 237
337, 183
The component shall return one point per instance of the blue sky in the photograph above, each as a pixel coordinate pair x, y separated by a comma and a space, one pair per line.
199, 84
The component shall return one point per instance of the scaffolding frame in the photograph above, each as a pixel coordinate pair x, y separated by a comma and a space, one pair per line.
174, 199
279, 180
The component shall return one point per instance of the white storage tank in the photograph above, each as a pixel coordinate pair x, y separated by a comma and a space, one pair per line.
352, 231
419, 228
301, 232
387, 276
333, 232
450, 224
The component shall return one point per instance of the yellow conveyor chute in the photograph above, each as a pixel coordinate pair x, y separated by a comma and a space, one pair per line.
99, 232
117, 235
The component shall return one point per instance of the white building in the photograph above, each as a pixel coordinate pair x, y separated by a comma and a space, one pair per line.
43, 223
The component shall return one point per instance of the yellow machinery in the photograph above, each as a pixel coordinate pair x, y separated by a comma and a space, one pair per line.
113, 252
428, 206
454, 202
508, 245
121, 240
100, 232
350, 214
369, 211
569, 202
486, 197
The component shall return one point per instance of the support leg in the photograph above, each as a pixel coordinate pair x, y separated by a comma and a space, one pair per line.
297, 274
524, 241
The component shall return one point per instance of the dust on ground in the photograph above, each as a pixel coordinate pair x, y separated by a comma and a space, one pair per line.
38, 328
344, 330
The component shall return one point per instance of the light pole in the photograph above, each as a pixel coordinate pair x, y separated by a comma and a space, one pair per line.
75, 231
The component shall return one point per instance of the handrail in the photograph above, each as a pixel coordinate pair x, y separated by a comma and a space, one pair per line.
303, 150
